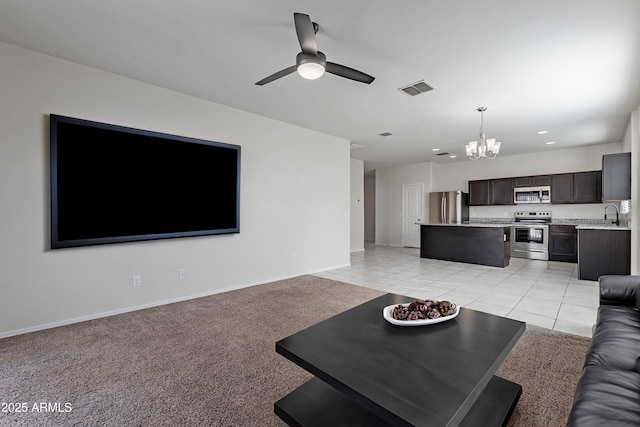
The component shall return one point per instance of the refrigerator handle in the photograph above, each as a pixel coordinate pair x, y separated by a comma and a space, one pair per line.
444, 209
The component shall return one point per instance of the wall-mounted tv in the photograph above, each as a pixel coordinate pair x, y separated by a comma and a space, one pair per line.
112, 184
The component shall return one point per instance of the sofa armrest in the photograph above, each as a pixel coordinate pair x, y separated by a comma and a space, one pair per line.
619, 290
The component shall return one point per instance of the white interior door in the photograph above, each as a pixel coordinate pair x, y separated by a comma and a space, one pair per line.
411, 214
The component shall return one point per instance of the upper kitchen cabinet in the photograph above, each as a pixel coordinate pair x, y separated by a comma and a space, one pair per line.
501, 191
562, 188
578, 187
587, 187
532, 181
616, 177
479, 192
491, 192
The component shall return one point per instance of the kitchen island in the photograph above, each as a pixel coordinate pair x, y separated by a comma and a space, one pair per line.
485, 244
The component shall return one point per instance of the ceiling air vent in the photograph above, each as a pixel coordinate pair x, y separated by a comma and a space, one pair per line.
443, 154
417, 88
385, 134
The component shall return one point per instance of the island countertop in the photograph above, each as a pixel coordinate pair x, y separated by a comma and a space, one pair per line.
473, 224
601, 227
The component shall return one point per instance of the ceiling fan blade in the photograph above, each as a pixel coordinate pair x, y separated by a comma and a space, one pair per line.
306, 33
276, 76
349, 73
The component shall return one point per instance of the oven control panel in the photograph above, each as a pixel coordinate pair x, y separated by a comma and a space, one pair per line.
537, 216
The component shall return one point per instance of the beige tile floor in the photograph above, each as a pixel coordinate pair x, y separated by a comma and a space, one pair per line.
542, 293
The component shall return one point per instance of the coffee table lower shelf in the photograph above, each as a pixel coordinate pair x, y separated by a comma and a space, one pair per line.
316, 404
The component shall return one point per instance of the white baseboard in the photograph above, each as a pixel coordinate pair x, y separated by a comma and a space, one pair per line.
154, 304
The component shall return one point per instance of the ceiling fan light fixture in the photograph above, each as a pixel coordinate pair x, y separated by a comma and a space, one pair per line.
310, 70
310, 66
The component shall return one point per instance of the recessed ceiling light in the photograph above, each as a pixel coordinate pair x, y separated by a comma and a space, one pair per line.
453, 156
550, 142
542, 132
435, 149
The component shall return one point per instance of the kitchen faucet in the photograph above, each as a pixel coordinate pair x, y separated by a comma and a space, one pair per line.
617, 221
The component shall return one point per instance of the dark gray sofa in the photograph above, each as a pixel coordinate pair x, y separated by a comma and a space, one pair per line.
608, 393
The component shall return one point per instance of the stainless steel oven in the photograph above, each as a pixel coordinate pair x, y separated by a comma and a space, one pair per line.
530, 235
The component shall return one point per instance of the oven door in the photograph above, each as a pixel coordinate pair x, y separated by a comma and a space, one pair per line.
530, 241
530, 235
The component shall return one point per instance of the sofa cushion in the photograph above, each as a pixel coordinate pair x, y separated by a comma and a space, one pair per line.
606, 396
616, 340
619, 290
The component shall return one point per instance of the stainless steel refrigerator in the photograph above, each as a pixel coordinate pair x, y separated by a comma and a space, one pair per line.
448, 207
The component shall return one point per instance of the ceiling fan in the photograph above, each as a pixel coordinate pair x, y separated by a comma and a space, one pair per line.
311, 63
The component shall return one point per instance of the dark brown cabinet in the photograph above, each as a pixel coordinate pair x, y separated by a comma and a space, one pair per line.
562, 188
566, 188
616, 177
501, 191
479, 192
587, 187
563, 243
491, 192
602, 251
532, 181
578, 187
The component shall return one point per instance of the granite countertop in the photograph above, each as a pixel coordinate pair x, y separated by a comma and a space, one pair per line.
601, 227
580, 224
472, 224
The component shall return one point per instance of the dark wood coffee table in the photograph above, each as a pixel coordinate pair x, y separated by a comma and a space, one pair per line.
371, 373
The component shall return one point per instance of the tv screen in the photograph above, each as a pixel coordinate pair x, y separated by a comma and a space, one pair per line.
112, 184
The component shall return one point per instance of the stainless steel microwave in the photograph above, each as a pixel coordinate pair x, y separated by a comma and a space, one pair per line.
532, 195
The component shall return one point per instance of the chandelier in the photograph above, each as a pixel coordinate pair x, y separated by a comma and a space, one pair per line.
485, 148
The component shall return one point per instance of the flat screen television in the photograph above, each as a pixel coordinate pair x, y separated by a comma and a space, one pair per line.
112, 184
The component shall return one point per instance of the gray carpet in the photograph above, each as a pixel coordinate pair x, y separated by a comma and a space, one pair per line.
212, 361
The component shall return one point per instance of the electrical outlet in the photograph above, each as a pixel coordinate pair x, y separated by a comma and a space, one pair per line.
182, 273
294, 257
136, 280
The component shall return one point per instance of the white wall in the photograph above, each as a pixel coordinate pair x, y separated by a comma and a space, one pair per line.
290, 203
634, 147
357, 205
369, 208
456, 176
389, 183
